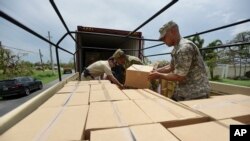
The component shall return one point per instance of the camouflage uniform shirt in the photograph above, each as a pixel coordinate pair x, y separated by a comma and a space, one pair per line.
130, 60
187, 61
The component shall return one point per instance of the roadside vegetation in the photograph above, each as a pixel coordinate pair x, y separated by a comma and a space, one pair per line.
12, 65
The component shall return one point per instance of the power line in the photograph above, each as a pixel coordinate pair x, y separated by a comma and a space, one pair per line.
19, 49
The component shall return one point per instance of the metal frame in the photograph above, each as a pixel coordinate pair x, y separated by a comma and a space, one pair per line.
17, 23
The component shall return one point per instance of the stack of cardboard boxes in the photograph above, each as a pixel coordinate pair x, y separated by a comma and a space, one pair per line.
99, 111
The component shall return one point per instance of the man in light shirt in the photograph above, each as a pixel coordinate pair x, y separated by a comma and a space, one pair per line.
99, 68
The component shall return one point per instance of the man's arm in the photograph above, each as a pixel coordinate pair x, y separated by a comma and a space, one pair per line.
114, 80
165, 69
169, 76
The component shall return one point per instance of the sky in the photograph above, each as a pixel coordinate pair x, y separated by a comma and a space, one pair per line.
192, 16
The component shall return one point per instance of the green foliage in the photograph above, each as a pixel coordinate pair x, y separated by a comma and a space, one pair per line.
211, 57
197, 41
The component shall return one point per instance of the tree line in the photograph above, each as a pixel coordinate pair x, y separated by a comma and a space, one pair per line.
234, 55
12, 65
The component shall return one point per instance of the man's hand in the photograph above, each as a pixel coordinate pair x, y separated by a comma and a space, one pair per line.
154, 75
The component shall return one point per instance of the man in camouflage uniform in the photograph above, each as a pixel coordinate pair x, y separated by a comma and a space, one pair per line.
187, 66
124, 61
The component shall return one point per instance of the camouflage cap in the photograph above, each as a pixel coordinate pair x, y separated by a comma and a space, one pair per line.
163, 30
118, 53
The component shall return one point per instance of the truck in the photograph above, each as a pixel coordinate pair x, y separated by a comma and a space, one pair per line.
95, 44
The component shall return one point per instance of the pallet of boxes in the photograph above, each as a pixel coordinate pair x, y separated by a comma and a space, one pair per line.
99, 111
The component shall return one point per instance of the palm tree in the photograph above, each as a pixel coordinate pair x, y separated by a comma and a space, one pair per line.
211, 56
198, 42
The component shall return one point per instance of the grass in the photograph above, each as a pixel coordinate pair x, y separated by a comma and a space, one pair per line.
45, 76
235, 82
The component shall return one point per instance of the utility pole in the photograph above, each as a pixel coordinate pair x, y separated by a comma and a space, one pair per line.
51, 56
41, 58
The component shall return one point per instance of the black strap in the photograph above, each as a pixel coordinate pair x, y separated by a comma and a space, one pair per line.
86, 73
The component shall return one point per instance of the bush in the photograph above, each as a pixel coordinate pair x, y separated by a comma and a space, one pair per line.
216, 77
247, 74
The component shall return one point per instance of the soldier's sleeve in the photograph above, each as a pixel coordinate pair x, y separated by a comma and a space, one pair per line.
184, 60
137, 61
107, 70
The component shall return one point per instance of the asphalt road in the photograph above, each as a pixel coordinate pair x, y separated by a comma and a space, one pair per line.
10, 103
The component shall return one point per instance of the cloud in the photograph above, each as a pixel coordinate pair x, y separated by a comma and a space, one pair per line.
192, 16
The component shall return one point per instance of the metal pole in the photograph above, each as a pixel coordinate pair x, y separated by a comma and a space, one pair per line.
58, 65
152, 17
51, 56
61, 18
17, 23
208, 48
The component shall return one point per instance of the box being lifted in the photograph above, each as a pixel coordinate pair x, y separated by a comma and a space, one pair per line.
137, 76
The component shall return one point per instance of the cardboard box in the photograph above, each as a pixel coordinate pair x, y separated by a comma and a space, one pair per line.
105, 82
96, 87
82, 89
68, 126
218, 108
107, 95
229, 122
208, 131
168, 113
235, 98
58, 100
103, 115
77, 99
149, 132
138, 94
110, 87
31, 126
137, 76
67, 89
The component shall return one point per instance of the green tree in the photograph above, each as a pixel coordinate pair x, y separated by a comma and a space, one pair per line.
197, 41
243, 50
211, 57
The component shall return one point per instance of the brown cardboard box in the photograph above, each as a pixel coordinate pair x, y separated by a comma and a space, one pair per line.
68, 126
235, 98
82, 89
149, 132
133, 94
110, 87
137, 76
78, 99
58, 100
147, 94
30, 127
107, 95
105, 82
208, 131
229, 122
96, 87
50, 124
103, 115
138, 94
168, 113
67, 89
218, 108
